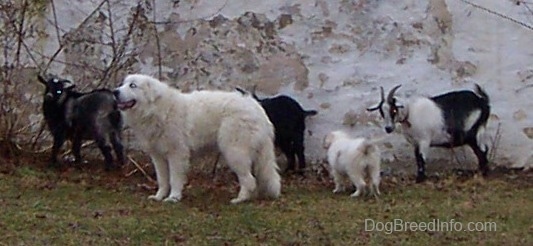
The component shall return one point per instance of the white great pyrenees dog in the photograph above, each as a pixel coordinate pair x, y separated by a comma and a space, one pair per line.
170, 125
352, 158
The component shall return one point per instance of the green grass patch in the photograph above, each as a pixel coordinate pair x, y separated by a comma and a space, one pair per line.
43, 207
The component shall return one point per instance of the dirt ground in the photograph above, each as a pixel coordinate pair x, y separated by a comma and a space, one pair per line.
138, 171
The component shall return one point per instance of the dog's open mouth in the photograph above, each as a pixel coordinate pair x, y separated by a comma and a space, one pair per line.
126, 105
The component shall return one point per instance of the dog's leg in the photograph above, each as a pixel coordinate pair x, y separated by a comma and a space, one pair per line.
178, 165
241, 164
338, 179
359, 183
374, 170
162, 173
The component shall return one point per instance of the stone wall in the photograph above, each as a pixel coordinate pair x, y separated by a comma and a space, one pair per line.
330, 55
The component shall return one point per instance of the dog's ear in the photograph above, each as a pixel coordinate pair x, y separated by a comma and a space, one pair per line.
41, 79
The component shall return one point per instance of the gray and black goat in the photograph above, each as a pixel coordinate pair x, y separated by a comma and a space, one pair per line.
78, 116
449, 120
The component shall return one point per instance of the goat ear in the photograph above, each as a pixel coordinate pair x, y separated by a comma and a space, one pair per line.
67, 84
41, 79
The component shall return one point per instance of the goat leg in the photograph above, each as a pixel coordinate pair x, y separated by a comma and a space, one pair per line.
76, 148
118, 147
59, 139
482, 158
421, 169
105, 149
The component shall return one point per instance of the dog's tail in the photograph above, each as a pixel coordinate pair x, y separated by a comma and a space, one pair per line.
368, 148
267, 171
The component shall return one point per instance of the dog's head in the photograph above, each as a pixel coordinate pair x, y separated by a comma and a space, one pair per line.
138, 89
56, 88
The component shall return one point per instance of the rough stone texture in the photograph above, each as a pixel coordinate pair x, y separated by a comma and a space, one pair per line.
329, 55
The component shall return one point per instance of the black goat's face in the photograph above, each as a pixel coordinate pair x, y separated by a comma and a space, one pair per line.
388, 108
56, 88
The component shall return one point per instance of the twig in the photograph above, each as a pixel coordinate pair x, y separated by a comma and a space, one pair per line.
495, 142
82, 146
55, 22
121, 51
56, 53
523, 88
157, 42
213, 173
140, 169
195, 19
497, 14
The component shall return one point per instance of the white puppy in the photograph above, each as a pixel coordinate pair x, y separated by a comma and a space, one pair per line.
170, 125
352, 157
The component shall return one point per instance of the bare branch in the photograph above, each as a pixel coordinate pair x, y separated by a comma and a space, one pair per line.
61, 45
498, 14
192, 20
55, 22
157, 42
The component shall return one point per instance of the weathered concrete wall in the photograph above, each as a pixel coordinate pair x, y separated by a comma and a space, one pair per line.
329, 55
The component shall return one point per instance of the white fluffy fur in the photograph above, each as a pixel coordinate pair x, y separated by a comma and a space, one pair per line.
170, 125
352, 158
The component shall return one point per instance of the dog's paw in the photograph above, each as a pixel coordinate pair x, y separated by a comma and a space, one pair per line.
172, 199
237, 200
356, 194
155, 198
338, 190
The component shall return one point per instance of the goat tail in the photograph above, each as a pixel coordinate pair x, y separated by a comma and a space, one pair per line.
482, 93
310, 112
266, 171
481, 123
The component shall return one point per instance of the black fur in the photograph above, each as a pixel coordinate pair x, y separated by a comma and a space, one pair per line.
80, 116
457, 106
288, 118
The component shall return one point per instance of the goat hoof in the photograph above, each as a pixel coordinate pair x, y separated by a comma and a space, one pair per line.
420, 179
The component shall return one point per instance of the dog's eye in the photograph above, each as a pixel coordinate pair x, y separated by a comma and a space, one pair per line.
59, 92
133, 85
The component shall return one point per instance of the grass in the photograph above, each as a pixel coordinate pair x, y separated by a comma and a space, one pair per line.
92, 207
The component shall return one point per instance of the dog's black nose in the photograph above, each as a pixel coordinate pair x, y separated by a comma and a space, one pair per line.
389, 129
116, 92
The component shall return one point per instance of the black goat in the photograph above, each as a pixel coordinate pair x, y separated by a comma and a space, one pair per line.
449, 120
79, 116
288, 118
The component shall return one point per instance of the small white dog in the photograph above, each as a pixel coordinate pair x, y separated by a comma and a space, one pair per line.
352, 157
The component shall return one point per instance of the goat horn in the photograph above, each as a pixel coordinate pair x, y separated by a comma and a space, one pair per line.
41, 79
391, 93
